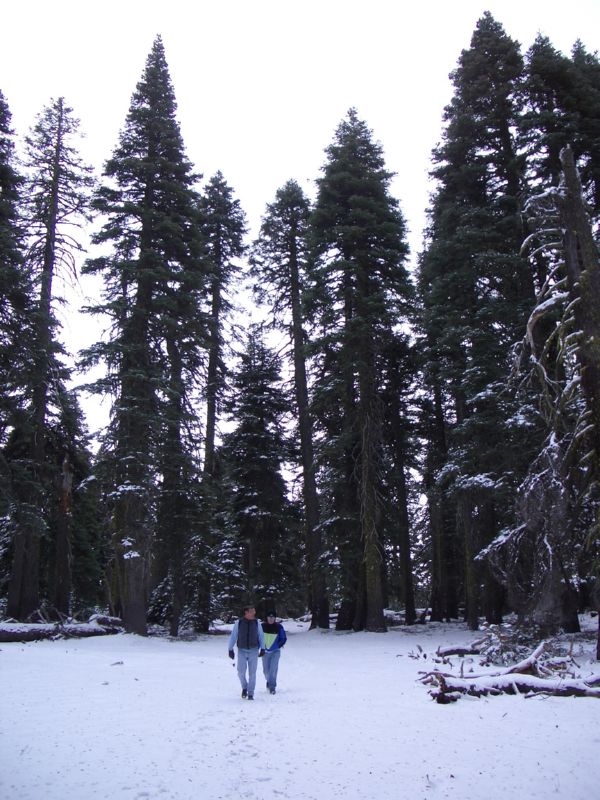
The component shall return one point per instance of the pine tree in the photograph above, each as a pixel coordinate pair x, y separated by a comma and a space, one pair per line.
154, 288
587, 143
16, 297
562, 97
279, 264
476, 292
548, 122
259, 512
542, 558
224, 230
545, 557
361, 291
15, 288
56, 200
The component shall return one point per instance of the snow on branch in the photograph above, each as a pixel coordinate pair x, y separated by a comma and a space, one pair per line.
539, 672
449, 688
540, 310
553, 194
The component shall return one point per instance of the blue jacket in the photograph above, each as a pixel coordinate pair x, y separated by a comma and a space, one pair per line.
275, 636
234, 635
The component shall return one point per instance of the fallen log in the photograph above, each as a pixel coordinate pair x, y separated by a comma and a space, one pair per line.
529, 677
449, 688
33, 632
25, 632
444, 652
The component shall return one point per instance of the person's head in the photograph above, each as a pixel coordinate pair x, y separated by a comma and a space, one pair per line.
249, 612
270, 617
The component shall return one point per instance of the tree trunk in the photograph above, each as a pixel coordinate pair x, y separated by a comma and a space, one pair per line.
346, 616
212, 379
583, 277
493, 592
408, 590
406, 571
346, 502
318, 602
369, 504
23, 589
132, 577
583, 274
62, 568
171, 521
465, 518
132, 532
443, 521
436, 532
375, 620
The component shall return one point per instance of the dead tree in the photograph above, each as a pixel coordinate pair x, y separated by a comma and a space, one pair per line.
583, 280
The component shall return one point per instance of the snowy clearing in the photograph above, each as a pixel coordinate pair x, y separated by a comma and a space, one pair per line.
130, 717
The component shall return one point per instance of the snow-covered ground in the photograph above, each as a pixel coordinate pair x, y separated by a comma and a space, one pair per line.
130, 717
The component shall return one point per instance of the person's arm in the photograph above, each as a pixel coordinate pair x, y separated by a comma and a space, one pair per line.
233, 636
282, 635
261, 636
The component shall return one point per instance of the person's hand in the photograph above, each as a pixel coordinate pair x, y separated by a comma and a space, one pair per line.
261, 653
231, 655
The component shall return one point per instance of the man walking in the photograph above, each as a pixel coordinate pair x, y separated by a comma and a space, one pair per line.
248, 635
275, 638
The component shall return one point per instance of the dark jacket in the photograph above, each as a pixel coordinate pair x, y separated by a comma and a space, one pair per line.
247, 634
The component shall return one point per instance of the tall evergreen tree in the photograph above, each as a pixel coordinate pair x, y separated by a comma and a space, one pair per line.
56, 199
361, 291
587, 143
548, 121
261, 519
477, 292
224, 229
15, 289
279, 269
541, 557
562, 107
154, 284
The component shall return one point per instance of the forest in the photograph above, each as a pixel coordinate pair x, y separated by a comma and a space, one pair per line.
416, 432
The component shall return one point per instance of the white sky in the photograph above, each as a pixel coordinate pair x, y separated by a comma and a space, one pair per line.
262, 84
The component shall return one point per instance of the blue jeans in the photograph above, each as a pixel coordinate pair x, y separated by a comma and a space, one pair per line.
247, 659
270, 665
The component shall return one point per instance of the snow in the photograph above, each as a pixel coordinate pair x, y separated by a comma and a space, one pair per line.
552, 301
482, 481
149, 717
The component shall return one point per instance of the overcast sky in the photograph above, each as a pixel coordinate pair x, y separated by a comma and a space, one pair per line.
262, 84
